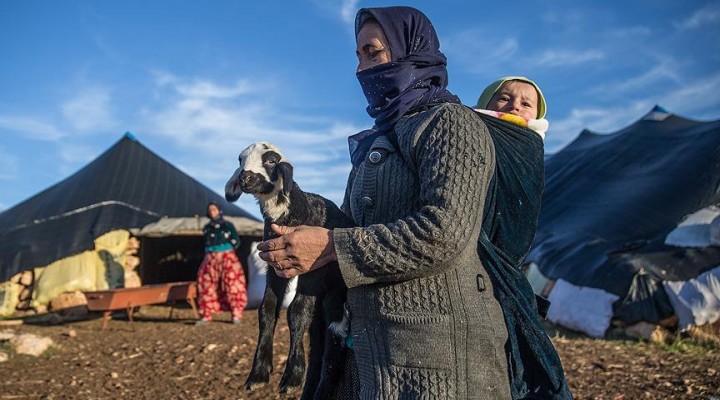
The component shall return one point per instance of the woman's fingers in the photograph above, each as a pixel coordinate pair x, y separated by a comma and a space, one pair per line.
298, 249
282, 230
286, 272
274, 257
272, 244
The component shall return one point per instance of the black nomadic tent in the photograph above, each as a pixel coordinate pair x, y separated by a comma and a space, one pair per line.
610, 200
127, 187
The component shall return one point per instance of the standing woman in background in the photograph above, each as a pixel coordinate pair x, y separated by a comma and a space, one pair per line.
221, 280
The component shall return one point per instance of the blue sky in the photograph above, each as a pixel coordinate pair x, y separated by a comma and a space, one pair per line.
196, 82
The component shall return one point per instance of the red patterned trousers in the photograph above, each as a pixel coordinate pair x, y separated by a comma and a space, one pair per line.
221, 284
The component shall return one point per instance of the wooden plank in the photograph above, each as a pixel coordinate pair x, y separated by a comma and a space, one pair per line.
129, 298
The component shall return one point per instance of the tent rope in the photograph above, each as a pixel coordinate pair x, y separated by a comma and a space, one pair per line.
83, 209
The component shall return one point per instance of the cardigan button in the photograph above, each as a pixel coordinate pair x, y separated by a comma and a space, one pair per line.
367, 202
480, 283
375, 157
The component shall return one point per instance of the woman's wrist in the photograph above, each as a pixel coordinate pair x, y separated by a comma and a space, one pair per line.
330, 253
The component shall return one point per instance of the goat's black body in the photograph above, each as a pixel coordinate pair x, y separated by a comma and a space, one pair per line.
319, 299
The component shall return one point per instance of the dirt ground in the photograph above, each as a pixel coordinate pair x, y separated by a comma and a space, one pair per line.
159, 358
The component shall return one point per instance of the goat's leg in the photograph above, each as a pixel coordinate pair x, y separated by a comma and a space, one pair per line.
299, 315
268, 314
334, 351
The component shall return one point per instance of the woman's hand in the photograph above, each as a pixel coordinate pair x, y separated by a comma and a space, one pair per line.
298, 250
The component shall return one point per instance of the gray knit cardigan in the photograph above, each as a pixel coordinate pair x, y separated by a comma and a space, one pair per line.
424, 321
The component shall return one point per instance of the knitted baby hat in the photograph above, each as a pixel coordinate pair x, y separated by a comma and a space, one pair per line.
489, 92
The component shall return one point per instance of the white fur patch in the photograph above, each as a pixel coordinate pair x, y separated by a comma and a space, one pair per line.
252, 161
270, 206
252, 158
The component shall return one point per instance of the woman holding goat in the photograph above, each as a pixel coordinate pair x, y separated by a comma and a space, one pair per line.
426, 321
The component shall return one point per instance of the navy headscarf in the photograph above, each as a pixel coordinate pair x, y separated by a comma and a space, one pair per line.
416, 76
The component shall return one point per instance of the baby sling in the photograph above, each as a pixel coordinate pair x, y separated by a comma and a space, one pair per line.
510, 220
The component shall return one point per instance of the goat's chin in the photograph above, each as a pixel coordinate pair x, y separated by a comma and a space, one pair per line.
260, 189
273, 205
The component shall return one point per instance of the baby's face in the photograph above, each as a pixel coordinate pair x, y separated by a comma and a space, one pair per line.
516, 97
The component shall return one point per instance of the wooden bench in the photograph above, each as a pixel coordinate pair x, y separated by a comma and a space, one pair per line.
127, 299
182, 291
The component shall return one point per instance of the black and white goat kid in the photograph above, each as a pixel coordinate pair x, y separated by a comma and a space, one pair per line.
320, 294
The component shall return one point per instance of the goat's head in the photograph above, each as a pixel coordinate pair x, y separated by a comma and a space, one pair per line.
264, 172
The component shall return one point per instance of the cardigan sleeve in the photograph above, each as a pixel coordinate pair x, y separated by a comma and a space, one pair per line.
454, 159
345, 207
234, 238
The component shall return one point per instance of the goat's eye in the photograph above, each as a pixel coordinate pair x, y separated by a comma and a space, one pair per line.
270, 158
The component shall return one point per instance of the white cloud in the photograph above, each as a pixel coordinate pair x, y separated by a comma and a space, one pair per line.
503, 50
565, 58
665, 71
681, 100
470, 44
476, 54
30, 127
348, 9
631, 32
206, 111
89, 111
8, 165
344, 9
599, 120
700, 97
73, 156
163, 78
220, 127
215, 122
210, 90
707, 15
470, 50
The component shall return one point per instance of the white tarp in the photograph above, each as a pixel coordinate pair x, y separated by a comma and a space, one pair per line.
715, 231
536, 278
167, 226
257, 269
696, 301
582, 309
696, 229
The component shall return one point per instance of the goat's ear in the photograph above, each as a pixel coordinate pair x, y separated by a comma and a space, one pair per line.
232, 187
285, 170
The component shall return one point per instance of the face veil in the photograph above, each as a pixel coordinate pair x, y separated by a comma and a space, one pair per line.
416, 75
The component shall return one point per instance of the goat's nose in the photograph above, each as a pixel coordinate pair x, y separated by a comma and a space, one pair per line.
246, 177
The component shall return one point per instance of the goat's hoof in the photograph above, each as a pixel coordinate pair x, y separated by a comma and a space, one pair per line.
292, 380
257, 379
250, 386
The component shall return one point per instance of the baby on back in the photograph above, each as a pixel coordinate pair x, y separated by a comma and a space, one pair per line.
515, 99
